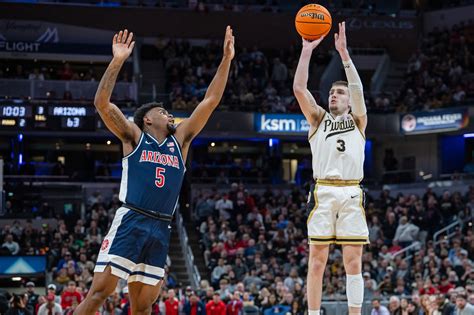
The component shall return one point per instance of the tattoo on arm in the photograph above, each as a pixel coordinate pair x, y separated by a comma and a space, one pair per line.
108, 80
116, 118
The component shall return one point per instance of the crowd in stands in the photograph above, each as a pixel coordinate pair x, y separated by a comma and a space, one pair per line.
259, 80
39, 71
257, 242
255, 248
440, 73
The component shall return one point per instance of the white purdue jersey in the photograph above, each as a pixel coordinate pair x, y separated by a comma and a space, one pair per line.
337, 147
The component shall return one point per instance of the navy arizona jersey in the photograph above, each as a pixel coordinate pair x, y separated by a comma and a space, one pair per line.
152, 175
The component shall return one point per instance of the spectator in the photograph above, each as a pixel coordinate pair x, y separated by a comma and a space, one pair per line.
32, 296
378, 309
394, 305
66, 261
225, 206
462, 306
218, 271
172, 303
194, 306
216, 306
18, 305
11, 245
445, 307
52, 290
406, 232
70, 298
235, 305
50, 307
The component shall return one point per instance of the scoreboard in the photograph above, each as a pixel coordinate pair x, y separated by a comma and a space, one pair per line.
16, 115
19, 116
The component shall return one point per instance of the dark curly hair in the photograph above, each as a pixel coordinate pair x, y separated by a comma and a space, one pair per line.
141, 112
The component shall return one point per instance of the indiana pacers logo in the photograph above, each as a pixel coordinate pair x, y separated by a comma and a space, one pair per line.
105, 245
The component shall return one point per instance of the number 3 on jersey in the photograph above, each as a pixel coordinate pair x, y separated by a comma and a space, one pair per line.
341, 146
160, 177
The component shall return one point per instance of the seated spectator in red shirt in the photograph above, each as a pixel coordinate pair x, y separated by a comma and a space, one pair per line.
172, 303
216, 306
70, 296
428, 288
445, 285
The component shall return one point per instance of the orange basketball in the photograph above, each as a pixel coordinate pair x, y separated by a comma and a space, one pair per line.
313, 21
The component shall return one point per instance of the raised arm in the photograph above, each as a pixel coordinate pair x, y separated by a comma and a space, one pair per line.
311, 110
113, 118
190, 127
356, 90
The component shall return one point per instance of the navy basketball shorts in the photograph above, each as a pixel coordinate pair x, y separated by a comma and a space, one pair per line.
135, 247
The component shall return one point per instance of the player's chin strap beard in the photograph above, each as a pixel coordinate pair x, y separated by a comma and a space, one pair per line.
171, 128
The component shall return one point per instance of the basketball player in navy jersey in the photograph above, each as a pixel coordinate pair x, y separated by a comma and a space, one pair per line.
155, 151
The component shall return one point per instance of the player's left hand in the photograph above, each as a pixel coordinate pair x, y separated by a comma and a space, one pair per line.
229, 51
340, 39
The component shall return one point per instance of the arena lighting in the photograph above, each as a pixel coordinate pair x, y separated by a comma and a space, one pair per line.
213, 144
20, 137
20, 158
16, 278
469, 135
270, 142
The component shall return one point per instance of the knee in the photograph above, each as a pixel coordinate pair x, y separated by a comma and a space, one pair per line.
353, 265
99, 295
316, 264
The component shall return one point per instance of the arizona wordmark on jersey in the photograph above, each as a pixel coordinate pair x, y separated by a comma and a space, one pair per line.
337, 147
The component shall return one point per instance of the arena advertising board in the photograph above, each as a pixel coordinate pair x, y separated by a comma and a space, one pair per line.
22, 265
22, 38
280, 123
434, 121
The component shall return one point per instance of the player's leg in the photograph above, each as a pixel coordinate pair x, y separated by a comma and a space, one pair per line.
352, 256
352, 233
103, 285
318, 257
142, 296
321, 233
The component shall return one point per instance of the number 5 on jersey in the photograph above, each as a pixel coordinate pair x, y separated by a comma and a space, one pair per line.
160, 177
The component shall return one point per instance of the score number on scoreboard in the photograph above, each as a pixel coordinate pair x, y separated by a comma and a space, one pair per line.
47, 117
15, 115
73, 117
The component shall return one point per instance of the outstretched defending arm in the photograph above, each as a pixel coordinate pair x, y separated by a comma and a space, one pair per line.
356, 90
190, 127
311, 110
113, 118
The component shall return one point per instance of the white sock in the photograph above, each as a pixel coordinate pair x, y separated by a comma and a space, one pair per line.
355, 290
317, 312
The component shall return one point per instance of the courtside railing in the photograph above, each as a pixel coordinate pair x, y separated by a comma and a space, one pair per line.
191, 268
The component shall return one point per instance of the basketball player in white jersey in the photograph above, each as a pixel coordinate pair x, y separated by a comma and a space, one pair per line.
335, 204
